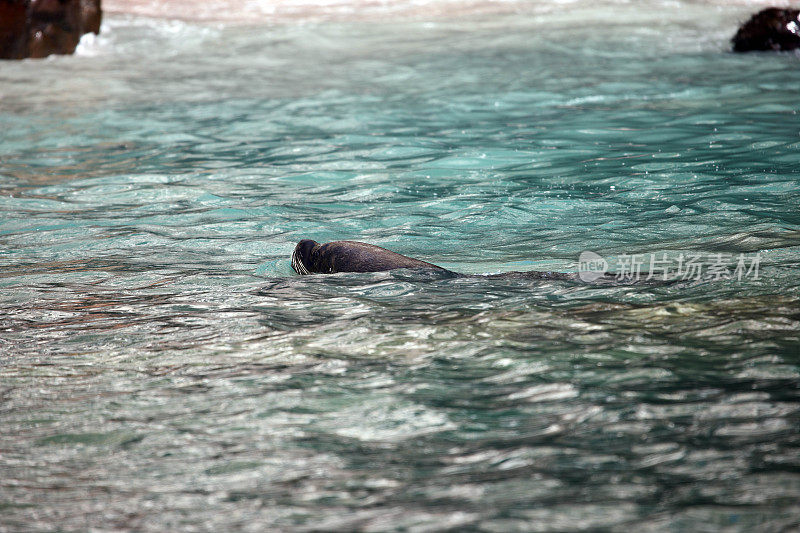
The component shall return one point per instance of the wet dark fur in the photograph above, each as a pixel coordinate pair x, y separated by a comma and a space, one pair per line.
310, 257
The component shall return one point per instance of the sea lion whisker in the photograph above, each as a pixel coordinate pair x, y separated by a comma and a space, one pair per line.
297, 264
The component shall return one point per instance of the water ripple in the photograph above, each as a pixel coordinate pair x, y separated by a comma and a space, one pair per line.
162, 368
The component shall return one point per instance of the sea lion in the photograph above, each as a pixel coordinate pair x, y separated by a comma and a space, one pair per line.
310, 257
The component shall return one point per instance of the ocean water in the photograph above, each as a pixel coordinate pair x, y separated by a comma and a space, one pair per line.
162, 368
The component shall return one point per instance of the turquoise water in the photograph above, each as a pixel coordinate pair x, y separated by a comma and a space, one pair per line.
163, 368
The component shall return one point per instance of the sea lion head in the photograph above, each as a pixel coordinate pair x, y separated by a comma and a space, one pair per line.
302, 256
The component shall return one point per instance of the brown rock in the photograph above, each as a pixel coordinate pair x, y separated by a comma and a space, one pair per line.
54, 27
38, 28
13, 32
770, 29
91, 15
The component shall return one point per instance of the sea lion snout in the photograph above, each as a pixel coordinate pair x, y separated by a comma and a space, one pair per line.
301, 256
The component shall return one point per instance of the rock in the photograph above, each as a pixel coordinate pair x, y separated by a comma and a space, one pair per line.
769, 29
91, 14
54, 27
38, 28
13, 30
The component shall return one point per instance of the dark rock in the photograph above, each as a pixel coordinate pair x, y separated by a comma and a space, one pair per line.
769, 29
91, 14
38, 28
54, 27
13, 29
